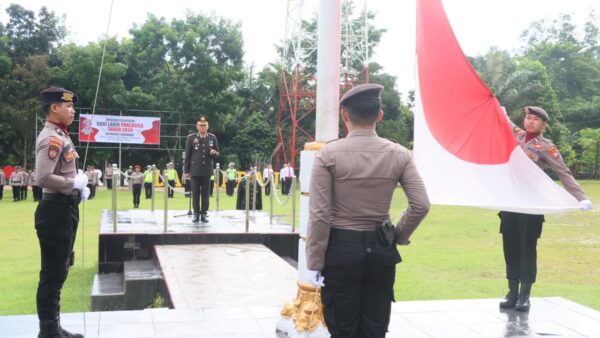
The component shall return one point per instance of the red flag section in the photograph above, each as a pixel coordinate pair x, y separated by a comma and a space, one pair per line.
463, 145
461, 112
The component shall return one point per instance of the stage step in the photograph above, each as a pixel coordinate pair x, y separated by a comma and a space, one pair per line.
136, 288
143, 283
108, 292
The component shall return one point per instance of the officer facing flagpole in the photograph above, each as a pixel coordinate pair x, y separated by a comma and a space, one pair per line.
351, 241
200, 150
57, 214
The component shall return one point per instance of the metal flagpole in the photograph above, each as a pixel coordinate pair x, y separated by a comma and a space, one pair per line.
84, 162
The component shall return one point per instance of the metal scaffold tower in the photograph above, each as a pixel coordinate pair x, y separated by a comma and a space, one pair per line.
297, 85
355, 45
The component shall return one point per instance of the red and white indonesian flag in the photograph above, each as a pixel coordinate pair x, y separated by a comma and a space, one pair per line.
464, 146
119, 129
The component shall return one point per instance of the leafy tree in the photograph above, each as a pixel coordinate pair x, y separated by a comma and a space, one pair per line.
253, 139
590, 157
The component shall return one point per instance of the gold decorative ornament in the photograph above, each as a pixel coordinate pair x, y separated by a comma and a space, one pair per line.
306, 310
315, 146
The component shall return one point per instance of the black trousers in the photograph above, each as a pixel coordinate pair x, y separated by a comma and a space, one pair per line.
1, 191
56, 227
229, 187
92, 188
520, 233
171, 190
109, 183
268, 188
212, 187
137, 191
16, 193
359, 279
35, 191
287, 183
24, 192
148, 189
200, 186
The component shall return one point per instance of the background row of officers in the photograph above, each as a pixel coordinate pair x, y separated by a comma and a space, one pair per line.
20, 180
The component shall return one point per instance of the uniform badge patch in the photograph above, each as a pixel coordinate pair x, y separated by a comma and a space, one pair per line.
537, 146
553, 152
54, 146
70, 155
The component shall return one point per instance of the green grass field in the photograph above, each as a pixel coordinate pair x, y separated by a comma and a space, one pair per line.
456, 253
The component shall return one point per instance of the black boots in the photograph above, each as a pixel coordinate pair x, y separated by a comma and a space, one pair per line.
52, 329
49, 329
523, 303
512, 296
515, 299
200, 217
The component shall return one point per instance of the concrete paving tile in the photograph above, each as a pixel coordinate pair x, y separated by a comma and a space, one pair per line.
126, 330
428, 318
450, 330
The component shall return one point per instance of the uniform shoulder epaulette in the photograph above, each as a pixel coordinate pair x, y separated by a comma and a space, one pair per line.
331, 141
391, 140
211, 134
192, 134
60, 132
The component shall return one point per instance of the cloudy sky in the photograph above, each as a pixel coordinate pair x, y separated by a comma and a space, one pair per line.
478, 24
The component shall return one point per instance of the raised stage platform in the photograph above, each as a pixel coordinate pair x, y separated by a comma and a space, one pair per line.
129, 276
138, 231
549, 317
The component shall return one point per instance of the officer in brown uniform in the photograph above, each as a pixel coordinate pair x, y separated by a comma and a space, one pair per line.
57, 214
35, 188
137, 178
15, 183
200, 149
350, 238
520, 232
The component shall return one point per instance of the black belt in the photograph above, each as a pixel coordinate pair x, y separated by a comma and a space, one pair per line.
343, 235
61, 198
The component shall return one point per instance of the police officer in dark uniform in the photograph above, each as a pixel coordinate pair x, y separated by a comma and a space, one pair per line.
350, 238
200, 149
57, 214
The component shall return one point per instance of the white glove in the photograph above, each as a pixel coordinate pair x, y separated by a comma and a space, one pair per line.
585, 205
314, 278
85, 193
81, 181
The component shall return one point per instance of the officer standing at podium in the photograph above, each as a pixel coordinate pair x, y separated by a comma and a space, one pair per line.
57, 214
200, 150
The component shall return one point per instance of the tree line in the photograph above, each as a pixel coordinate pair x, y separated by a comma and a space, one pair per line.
195, 65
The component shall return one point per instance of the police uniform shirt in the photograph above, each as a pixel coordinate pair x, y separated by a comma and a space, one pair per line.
56, 160
15, 179
544, 153
32, 179
198, 161
24, 179
92, 177
137, 178
352, 183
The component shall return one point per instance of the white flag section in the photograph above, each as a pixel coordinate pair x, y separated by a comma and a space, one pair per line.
464, 148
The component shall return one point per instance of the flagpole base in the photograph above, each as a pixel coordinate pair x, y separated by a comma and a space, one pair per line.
304, 315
